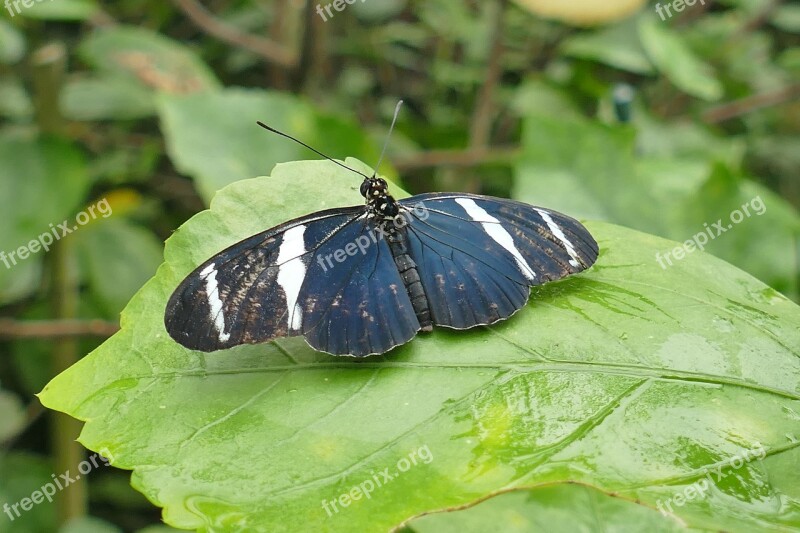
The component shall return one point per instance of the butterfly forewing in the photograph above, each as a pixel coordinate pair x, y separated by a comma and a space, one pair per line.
243, 294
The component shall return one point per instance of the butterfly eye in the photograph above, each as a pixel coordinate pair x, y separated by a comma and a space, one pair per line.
365, 186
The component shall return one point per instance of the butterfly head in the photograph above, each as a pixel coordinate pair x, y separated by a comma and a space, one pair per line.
376, 192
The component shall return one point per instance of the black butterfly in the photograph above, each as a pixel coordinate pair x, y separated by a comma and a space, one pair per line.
361, 280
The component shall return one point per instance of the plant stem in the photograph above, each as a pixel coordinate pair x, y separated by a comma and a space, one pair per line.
55, 329
48, 66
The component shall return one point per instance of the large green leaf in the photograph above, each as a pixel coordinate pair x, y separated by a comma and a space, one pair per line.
629, 378
214, 137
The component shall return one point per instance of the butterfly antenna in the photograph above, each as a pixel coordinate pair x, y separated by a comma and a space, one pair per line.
273, 130
388, 136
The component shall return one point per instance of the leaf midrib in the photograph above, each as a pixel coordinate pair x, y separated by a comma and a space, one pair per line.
519, 368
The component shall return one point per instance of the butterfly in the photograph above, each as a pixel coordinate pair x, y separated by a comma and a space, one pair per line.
362, 280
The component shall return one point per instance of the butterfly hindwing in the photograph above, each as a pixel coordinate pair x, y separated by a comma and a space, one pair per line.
477, 256
355, 301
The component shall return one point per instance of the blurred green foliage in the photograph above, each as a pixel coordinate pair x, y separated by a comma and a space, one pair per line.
155, 112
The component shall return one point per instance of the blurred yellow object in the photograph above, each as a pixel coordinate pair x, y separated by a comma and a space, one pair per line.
583, 12
122, 201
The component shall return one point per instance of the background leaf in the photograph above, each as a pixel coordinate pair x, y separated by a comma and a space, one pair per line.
28, 167
12, 43
119, 258
20, 475
14, 101
147, 59
615, 175
106, 98
630, 378
60, 10
676, 61
618, 46
13, 416
236, 148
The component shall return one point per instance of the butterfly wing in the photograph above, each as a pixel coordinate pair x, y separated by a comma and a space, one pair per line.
478, 256
288, 281
248, 293
355, 300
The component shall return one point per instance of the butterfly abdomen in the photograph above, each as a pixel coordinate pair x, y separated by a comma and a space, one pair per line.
397, 240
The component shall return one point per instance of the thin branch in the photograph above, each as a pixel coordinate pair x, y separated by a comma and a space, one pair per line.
481, 126
456, 158
311, 46
278, 75
266, 48
49, 65
55, 329
746, 105
74, 501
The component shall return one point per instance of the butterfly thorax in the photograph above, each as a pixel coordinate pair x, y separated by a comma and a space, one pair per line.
379, 201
